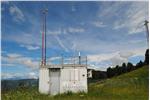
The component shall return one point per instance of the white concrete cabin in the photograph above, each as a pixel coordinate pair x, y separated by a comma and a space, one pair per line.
57, 79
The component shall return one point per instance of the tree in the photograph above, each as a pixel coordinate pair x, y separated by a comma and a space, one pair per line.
116, 70
146, 57
124, 68
111, 72
22, 85
130, 67
140, 64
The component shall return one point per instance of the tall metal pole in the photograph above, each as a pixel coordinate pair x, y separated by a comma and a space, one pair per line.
42, 39
44, 12
147, 35
45, 35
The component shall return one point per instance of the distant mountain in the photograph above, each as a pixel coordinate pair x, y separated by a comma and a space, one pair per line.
14, 83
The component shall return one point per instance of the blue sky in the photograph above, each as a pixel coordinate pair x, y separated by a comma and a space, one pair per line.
108, 33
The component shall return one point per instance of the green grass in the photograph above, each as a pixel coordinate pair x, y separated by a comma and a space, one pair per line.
129, 86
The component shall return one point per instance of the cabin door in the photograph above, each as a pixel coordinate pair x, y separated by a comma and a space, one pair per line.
54, 81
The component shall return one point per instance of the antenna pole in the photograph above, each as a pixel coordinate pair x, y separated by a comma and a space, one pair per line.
42, 40
79, 58
45, 36
44, 12
147, 35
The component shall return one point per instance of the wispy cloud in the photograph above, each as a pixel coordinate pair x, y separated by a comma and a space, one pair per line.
135, 16
69, 30
61, 43
118, 25
13, 58
129, 15
8, 65
103, 61
98, 24
30, 47
30, 75
13, 55
16, 13
66, 30
75, 30
110, 9
10, 75
55, 32
26, 39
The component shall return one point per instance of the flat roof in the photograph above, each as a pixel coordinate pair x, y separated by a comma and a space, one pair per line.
64, 65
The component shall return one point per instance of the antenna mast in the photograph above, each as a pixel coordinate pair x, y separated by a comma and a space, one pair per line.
44, 13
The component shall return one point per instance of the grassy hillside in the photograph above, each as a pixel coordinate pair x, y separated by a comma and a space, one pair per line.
129, 86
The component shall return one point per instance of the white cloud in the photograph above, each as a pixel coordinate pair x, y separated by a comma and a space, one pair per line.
8, 65
13, 55
125, 15
61, 43
98, 24
103, 61
110, 9
56, 32
118, 25
9, 75
32, 40
101, 57
134, 18
30, 47
89, 42
126, 54
3, 52
136, 41
30, 75
75, 30
60, 31
13, 58
111, 59
30, 63
117, 60
139, 52
54, 58
16, 13
26, 39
